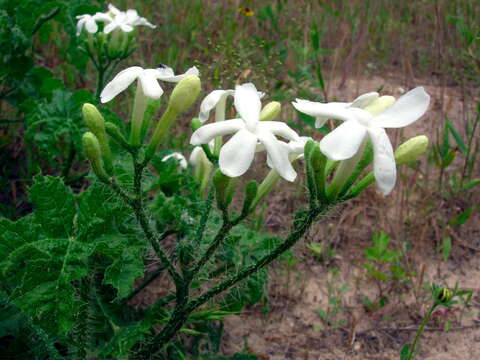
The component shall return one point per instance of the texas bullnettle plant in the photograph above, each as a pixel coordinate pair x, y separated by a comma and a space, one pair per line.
73, 266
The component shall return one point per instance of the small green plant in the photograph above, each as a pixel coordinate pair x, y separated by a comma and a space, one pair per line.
384, 265
441, 297
333, 315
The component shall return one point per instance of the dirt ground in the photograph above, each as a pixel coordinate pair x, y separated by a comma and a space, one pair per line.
292, 328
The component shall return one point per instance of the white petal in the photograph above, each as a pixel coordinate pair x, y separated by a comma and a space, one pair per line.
269, 161
237, 153
210, 131
407, 109
210, 101
343, 142
113, 10
150, 85
364, 100
125, 27
91, 25
110, 27
247, 102
80, 24
196, 155
166, 74
102, 17
278, 128
320, 121
141, 21
179, 157
278, 154
384, 167
333, 110
132, 16
120, 82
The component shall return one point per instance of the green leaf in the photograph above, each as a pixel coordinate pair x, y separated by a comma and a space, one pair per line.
405, 352
123, 272
458, 139
54, 205
463, 217
446, 247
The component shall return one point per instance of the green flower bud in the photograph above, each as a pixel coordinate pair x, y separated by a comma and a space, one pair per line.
444, 295
411, 149
185, 93
379, 105
91, 147
265, 187
196, 124
270, 111
93, 118
96, 124
116, 134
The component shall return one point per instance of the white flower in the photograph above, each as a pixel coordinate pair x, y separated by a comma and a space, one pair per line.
332, 109
237, 154
124, 20
217, 100
343, 142
89, 22
177, 156
147, 78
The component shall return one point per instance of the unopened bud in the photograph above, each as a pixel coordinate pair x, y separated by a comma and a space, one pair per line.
250, 194
93, 118
444, 295
96, 124
270, 111
411, 150
91, 147
224, 187
379, 105
185, 93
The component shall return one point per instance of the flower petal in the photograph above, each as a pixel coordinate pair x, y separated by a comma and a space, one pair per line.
113, 10
80, 25
247, 102
210, 131
211, 101
278, 154
120, 82
364, 100
99, 16
384, 167
91, 25
237, 153
126, 27
406, 110
166, 74
177, 156
141, 21
150, 85
278, 128
110, 27
343, 142
333, 110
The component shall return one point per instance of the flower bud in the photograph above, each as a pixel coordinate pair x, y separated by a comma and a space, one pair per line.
196, 124
96, 124
411, 149
185, 93
379, 105
93, 118
444, 295
270, 111
91, 147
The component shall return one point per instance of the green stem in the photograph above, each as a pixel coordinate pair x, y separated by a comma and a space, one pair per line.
425, 321
139, 106
163, 125
181, 313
